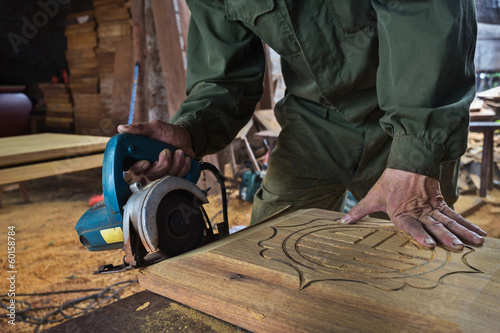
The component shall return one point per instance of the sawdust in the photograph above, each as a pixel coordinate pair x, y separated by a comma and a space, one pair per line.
164, 320
142, 307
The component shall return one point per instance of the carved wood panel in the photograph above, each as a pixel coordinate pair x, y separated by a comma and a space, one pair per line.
307, 272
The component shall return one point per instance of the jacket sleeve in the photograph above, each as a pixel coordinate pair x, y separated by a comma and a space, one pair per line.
425, 80
225, 71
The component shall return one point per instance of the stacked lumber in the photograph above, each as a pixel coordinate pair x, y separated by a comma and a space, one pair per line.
113, 27
59, 116
491, 99
83, 65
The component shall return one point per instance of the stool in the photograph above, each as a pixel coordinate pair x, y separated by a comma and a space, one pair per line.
488, 129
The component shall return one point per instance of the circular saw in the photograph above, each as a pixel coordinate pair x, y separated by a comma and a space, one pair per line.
160, 220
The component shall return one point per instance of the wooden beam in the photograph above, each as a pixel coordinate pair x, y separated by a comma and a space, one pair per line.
174, 74
144, 312
185, 16
47, 169
123, 81
140, 56
267, 100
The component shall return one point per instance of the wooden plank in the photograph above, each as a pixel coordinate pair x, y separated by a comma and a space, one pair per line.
267, 120
307, 272
185, 16
47, 169
145, 312
123, 80
30, 148
139, 37
174, 74
267, 100
74, 30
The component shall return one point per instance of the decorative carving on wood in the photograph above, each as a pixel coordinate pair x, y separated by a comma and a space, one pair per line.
384, 257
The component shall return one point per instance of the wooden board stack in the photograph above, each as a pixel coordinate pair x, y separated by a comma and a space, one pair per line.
491, 99
113, 27
59, 116
82, 61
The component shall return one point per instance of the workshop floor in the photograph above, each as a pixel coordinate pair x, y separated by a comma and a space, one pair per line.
50, 258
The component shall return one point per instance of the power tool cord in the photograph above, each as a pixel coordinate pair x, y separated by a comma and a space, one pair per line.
95, 300
220, 180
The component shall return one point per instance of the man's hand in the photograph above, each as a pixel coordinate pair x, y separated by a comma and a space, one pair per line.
415, 205
175, 164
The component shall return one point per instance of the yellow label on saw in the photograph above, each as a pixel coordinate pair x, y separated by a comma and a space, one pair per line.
113, 235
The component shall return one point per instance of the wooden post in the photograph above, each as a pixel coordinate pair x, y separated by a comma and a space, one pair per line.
185, 16
267, 100
122, 87
140, 56
169, 47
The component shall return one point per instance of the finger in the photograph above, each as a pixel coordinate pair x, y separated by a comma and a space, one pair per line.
458, 229
161, 167
365, 206
185, 167
457, 217
139, 168
177, 162
414, 229
441, 233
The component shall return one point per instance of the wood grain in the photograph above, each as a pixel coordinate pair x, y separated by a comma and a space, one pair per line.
169, 45
123, 82
24, 149
306, 272
47, 169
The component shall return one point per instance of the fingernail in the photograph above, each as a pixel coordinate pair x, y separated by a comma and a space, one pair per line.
478, 238
144, 165
429, 241
346, 219
164, 153
457, 242
179, 153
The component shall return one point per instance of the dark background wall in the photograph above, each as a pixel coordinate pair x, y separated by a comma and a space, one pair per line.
32, 41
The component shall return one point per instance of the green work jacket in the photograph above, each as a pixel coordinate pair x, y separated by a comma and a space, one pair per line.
411, 59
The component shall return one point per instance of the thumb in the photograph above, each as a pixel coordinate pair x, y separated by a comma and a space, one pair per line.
144, 129
365, 206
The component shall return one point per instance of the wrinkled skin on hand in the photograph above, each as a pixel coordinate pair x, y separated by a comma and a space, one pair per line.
415, 205
168, 163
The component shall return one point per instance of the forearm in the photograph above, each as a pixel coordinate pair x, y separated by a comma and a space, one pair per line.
425, 80
226, 65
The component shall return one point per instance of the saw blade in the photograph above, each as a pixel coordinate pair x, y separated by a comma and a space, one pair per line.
180, 223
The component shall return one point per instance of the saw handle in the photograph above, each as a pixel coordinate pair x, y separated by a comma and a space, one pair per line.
121, 152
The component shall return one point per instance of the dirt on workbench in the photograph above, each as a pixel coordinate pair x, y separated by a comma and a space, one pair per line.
49, 257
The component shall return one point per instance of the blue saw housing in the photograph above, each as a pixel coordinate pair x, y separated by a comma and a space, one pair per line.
121, 152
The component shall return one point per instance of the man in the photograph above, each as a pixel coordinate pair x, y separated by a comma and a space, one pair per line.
377, 102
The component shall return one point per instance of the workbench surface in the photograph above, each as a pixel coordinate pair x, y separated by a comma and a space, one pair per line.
33, 156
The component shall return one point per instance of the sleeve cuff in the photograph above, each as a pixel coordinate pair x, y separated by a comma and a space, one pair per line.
196, 135
416, 155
